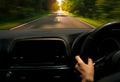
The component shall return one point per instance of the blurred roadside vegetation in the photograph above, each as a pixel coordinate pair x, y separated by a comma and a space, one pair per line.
15, 12
96, 12
13, 22
102, 11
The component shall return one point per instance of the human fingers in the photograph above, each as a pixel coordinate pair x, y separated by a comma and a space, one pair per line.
79, 60
77, 67
90, 61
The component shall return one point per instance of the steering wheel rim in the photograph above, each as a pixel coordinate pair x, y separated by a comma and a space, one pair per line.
92, 38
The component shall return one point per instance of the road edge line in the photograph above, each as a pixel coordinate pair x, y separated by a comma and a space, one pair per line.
25, 23
87, 23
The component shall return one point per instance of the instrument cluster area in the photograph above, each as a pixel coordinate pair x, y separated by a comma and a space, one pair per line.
44, 51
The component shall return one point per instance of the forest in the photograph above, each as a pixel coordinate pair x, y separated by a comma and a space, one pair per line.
99, 10
20, 9
95, 9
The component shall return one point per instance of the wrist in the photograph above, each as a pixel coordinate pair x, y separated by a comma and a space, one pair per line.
88, 79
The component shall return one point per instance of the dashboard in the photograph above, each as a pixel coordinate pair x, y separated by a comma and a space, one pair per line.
37, 55
48, 54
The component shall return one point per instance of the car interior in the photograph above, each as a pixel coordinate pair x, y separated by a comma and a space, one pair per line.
49, 54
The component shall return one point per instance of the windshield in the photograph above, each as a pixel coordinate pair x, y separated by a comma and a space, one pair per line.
47, 14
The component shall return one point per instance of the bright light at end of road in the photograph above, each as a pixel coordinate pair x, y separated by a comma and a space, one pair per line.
59, 2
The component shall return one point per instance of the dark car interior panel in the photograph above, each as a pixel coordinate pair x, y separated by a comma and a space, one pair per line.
48, 55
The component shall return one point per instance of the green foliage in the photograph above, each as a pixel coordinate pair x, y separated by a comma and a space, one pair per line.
108, 10
10, 24
21, 9
81, 7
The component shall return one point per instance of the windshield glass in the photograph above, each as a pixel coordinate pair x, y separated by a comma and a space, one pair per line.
47, 14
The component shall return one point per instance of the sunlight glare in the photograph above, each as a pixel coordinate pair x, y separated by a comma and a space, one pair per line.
59, 2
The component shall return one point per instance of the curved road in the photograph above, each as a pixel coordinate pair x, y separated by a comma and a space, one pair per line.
55, 20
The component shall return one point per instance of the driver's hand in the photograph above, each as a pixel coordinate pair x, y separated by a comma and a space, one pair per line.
86, 70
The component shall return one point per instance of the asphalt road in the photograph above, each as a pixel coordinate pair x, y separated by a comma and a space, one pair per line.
55, 20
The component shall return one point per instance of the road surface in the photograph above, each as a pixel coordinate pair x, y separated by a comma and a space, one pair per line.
55, 20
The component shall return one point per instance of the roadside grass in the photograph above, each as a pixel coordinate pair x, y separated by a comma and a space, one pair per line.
12, 23
93, 22
8, 25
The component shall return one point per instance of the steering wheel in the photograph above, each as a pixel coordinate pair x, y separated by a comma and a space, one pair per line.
94, 40
89, 47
